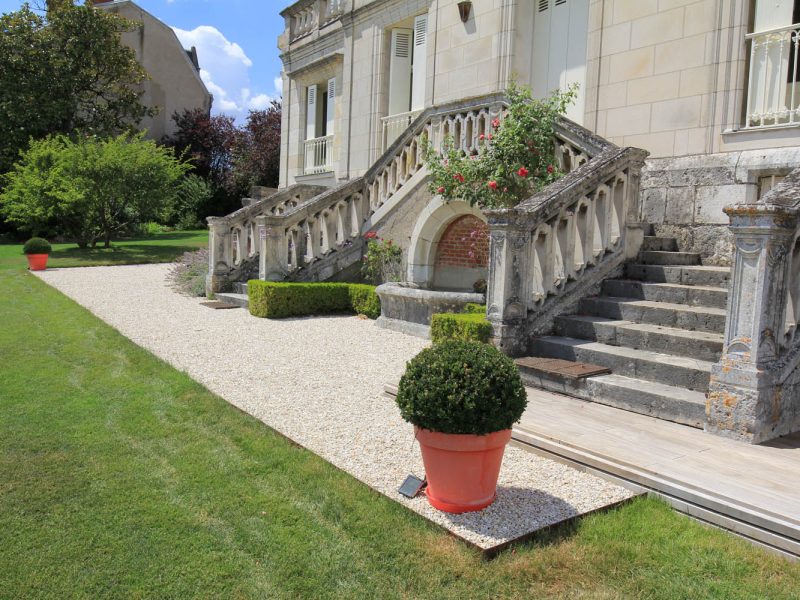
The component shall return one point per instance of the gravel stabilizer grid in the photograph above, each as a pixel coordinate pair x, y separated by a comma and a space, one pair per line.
319, 381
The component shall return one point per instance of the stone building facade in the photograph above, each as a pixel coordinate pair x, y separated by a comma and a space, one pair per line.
174, 71
707, 87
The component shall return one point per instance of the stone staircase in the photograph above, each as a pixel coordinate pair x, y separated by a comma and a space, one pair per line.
659, 329
237, 295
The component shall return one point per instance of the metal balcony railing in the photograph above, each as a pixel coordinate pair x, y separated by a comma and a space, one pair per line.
319, 155
773, 97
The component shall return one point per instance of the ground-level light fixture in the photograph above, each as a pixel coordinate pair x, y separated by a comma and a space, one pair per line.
464, 8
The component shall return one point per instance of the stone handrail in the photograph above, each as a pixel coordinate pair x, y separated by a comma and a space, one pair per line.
331, 225
233, 239
554, 248
755, 388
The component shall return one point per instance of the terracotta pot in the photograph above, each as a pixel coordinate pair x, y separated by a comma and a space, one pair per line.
461, 470
37, 262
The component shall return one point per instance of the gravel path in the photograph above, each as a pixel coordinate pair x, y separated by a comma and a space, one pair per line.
319, 381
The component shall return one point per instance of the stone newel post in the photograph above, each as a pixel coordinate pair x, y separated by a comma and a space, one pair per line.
745, 396
505, 294
273, 254
219, 254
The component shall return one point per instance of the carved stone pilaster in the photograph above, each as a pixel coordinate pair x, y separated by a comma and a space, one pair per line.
273, 249
509, 246
219, 254
745, 397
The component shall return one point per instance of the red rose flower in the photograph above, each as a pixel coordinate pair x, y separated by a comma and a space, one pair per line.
523, 172
440, 190
492, 185
496, 123
550, 169
370, 235
483, 137
459, 177
490, 137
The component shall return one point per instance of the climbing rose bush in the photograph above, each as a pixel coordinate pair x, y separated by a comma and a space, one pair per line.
383, 260
515, 156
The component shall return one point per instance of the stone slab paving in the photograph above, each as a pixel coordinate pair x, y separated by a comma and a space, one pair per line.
319, 381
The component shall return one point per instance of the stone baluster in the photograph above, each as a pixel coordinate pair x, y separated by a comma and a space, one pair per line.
219, 254
508, 266
745, 399
273, 258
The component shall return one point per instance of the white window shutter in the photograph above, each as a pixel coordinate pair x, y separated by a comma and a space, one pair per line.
400, 71
331, 106
311, 112
420, 62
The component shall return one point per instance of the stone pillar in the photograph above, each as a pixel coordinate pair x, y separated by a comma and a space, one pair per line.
273, 249
219, 254
745, 395
507, 310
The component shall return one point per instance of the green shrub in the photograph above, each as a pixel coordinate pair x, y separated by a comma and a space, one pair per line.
37, 245
475, 309
276, 300
364, 300
463, 327
461, 387
188, 275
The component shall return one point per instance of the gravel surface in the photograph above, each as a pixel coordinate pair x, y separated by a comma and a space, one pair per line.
319, 381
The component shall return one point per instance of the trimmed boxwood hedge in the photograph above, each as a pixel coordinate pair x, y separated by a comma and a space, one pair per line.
461, 387
37, 245
463, 327
277, 300
474, 308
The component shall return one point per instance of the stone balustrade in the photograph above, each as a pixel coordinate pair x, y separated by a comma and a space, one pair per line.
551, 250
234, 239
755, 388
307, 16
331, 225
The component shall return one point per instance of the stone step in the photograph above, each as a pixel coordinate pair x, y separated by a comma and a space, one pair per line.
675, 293
654, 338
667, 402
684, 275
232, 298
240, 287
681, 316
677, 371
659, 244
654, 257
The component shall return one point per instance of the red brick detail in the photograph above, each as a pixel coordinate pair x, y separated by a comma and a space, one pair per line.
465, 243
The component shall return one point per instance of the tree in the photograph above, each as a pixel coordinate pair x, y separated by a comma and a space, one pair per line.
257, 151
232, 158
91, 189
64, 74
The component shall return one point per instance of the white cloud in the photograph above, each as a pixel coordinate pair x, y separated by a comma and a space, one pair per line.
226, 71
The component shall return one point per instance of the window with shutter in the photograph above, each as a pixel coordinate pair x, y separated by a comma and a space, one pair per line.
311, 112
331, 106
419, 62
400, 71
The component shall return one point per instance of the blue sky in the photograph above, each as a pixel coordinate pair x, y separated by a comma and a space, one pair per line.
236, 43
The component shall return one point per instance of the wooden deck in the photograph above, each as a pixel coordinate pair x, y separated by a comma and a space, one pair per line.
752, 490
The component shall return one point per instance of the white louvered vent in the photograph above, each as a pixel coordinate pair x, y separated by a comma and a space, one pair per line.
544, 5
312, 95
331, 88
420, 30
402, 47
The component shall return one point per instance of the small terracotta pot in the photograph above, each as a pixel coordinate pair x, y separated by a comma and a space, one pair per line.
462, 470
37, 262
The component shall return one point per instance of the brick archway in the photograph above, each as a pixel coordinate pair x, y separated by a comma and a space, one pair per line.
462, 254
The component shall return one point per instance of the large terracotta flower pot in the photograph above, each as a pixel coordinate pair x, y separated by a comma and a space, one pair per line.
462, 470
37, 262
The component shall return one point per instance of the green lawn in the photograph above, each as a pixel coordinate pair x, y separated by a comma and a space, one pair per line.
162, 247
122, 477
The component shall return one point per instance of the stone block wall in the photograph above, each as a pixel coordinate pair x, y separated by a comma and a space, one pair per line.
684, 197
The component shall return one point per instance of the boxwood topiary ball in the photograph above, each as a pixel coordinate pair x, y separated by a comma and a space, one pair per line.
462, 387
36, 245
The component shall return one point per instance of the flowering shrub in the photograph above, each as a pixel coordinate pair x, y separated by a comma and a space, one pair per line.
188, 275
382, 261
515, 158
